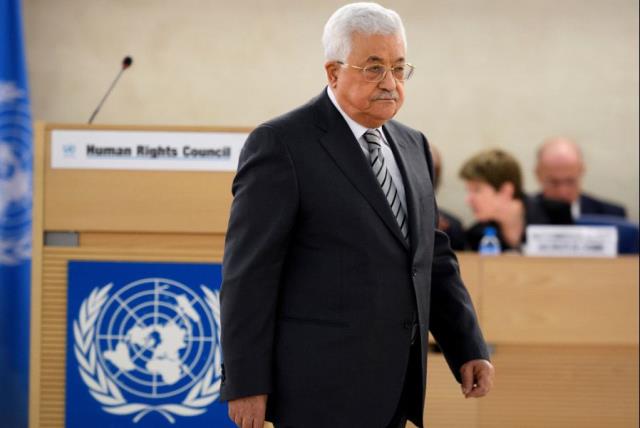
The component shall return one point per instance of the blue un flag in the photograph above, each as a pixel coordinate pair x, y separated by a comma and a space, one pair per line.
15, 218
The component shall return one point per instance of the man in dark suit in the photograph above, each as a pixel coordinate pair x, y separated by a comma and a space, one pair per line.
333, 270
559, 170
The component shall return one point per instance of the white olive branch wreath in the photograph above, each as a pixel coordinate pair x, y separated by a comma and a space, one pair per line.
107, 393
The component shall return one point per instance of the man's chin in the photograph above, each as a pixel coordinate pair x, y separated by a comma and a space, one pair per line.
385, 110
377, 114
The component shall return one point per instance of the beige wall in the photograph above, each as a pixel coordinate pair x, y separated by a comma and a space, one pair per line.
503, 73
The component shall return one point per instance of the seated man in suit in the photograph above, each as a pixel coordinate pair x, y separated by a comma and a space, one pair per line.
559, 169
447, 222
495, 194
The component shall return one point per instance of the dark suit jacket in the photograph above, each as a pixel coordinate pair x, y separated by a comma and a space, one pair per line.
591, 205
537, 209
319, 287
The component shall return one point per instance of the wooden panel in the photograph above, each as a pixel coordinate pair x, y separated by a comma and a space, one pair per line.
49, 325
536, 386
36, 276
470, 269
445, 406
201, 241
563, 386
571, 301
137, 201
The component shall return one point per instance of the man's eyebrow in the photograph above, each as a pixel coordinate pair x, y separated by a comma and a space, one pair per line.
374, 58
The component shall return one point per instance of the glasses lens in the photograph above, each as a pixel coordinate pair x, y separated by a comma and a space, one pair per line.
373, 73
399, 72
407, 71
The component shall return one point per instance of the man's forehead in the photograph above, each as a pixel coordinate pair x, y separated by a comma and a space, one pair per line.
560, 150
563, 160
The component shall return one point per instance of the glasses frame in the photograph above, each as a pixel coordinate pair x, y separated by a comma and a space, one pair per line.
412, 68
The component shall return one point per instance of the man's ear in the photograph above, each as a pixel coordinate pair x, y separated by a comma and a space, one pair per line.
538, 172
332, 69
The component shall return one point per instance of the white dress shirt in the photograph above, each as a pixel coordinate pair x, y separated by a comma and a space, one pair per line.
575, 209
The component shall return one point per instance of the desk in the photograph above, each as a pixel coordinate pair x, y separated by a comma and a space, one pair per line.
565, 338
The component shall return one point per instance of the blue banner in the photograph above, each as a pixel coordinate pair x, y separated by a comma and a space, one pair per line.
143, 345
15, 218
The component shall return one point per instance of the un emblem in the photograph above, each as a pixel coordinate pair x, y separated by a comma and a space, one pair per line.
15, 175
151, 346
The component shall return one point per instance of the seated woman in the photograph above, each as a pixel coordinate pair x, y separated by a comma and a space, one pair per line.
493, 181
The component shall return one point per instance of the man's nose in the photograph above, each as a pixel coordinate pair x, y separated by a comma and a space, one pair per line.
566, 192
388, 82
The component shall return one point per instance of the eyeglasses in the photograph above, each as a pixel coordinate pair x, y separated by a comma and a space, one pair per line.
561, 182
376, 73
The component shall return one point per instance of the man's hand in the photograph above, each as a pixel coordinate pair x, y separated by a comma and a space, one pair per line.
248, 412
477, 378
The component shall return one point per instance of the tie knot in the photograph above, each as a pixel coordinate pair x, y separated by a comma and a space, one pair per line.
373, 139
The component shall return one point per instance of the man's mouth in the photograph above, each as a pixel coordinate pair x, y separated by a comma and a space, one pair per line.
385, 97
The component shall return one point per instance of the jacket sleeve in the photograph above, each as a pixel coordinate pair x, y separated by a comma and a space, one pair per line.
453, 321
261, 221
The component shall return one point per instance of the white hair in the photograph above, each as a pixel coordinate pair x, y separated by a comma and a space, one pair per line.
364, 18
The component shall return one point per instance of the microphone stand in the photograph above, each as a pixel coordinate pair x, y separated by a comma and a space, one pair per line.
125, 64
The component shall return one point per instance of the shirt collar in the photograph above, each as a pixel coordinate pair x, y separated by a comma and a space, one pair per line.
357, 129
575, 209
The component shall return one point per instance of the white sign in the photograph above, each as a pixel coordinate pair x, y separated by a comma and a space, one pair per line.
572, 241
146, 150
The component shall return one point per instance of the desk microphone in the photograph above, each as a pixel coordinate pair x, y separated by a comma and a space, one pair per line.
126, 63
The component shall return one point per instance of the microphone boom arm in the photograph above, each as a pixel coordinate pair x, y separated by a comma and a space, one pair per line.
125, 64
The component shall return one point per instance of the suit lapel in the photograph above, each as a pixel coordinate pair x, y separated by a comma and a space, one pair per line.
411, 163
345, 151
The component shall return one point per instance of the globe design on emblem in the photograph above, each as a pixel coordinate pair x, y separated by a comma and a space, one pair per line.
155, 338
15, 175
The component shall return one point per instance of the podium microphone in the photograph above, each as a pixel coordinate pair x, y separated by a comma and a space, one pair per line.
126, 63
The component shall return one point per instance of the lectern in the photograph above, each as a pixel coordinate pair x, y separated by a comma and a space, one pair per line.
147, 196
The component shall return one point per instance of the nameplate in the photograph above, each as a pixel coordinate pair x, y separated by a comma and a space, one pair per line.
146, 150
571, 241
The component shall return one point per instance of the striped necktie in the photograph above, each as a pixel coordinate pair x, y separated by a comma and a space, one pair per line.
374, 141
